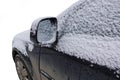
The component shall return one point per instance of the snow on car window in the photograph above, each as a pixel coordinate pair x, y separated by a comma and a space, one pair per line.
90, 30
93, 17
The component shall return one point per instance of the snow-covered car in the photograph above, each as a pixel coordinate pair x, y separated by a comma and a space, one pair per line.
82, 43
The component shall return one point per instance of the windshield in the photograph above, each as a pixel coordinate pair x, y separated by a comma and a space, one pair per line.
91, 17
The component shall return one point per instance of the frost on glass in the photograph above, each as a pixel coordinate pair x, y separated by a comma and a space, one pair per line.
46, 31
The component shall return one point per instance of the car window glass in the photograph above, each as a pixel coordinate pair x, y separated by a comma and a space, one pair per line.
91, 17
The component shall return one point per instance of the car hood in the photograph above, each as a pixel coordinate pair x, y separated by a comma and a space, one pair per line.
21, 41
104, 51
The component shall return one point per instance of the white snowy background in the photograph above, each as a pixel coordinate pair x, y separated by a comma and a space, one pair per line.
17, 16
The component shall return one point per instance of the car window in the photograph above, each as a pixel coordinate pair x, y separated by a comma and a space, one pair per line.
91, 17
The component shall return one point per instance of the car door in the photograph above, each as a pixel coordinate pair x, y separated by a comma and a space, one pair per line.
60, 66
84, 18
53, 65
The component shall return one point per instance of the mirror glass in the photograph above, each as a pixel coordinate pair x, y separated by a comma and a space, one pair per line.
46, 31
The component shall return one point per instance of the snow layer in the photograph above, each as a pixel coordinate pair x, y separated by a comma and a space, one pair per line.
21, 41
104, 51
90, 29
94, 17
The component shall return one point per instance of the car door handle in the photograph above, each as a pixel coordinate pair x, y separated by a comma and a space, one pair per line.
46, 75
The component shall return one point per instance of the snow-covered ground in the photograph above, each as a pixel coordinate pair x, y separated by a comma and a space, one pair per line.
17, 16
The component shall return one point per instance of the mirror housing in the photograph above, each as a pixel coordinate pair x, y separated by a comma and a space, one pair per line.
44, 31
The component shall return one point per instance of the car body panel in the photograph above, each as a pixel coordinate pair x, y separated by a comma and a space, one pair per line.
27, 49
58, 64
90, 30
61, 66
69, 58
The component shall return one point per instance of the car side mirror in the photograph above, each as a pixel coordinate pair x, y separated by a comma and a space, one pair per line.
44, 31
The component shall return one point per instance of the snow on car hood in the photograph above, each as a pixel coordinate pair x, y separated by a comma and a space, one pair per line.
21, 41
90, 30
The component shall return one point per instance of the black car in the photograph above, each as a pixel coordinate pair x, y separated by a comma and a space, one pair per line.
82, 43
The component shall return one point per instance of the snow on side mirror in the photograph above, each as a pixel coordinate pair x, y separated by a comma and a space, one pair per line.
47, 31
